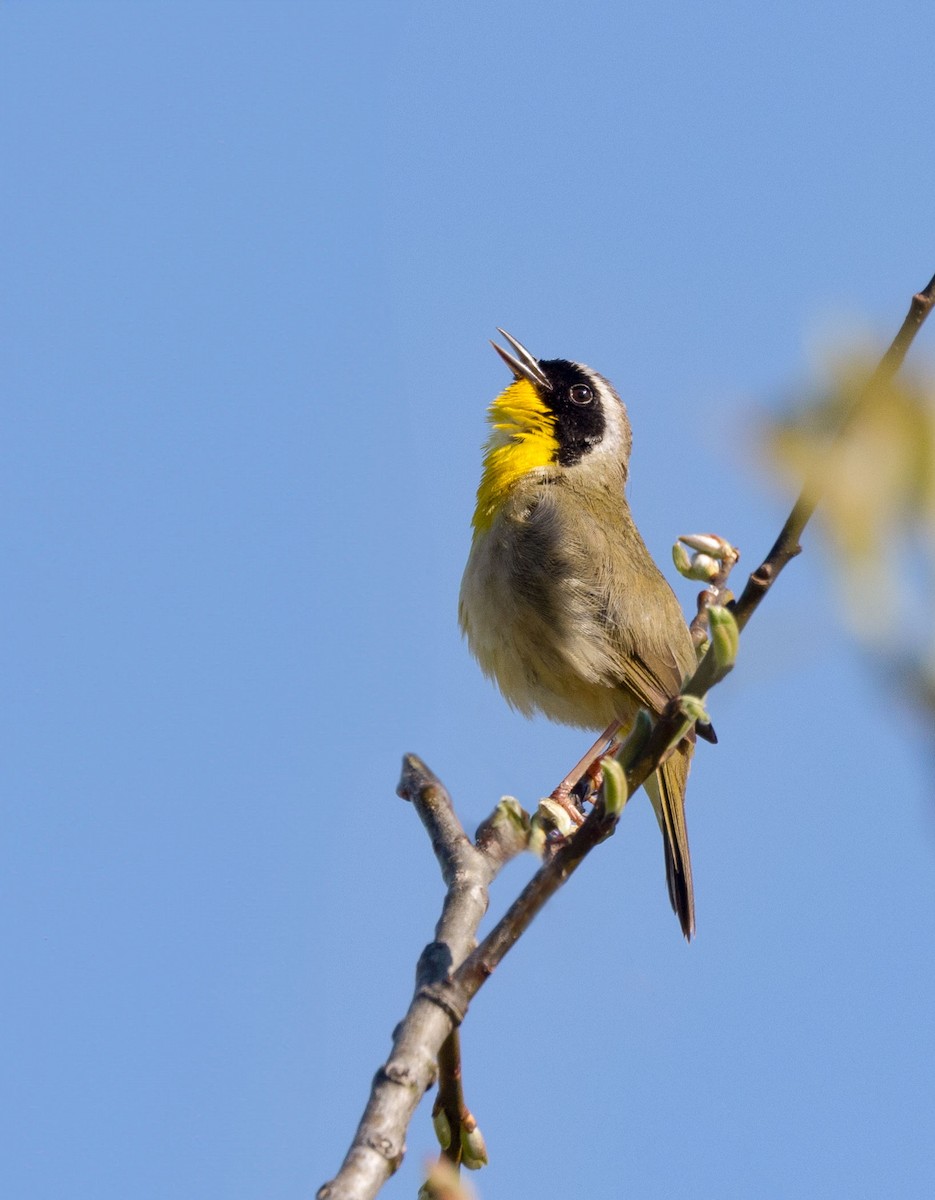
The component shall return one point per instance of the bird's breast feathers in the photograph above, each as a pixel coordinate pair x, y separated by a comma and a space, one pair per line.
545, 606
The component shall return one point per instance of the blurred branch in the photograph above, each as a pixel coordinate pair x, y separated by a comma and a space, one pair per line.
450, 971
786, 546
875, 460
919, 684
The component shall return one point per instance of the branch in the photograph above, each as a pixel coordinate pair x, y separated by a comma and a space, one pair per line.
467, 869
450, 974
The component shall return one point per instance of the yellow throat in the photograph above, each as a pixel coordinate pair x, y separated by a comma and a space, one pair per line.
522, 440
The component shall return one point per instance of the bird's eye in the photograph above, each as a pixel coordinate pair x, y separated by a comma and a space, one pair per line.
581, 394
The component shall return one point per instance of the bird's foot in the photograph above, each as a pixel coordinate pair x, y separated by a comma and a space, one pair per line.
578, 788
570, 800
591, 781
582, 774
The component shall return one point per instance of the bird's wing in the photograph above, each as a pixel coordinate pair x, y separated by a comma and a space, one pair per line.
653, 682
623, 627
652, 648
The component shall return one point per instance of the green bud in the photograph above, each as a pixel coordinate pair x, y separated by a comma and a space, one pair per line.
706, 543
704, 567
552, 815
538, 837
636, 739
725, 636
616, 793
682, 560
508, 826
473, 1148
442, 1128
692, 710
509, 809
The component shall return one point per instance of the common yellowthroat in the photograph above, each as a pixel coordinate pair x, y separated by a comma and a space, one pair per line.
561, 602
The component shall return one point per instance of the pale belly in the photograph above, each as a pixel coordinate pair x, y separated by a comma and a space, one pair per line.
541, 638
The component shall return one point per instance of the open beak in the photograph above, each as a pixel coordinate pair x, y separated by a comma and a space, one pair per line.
523, 366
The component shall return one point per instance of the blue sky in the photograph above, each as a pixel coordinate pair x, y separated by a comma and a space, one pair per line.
252, 256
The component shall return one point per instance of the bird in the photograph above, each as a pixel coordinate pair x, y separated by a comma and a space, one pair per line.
561, 602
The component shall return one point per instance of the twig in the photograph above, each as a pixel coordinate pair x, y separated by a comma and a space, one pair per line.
463, 1141
441, 1001
450, 1100
714, 550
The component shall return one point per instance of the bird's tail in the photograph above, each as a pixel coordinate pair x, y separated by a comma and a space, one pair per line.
666, 790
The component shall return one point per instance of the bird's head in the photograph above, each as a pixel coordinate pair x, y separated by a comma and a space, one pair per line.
556, 416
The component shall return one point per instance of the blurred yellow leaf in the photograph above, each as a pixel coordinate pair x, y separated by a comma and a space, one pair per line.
867, 453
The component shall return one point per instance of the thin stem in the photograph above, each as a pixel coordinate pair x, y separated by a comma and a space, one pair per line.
450, 1099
